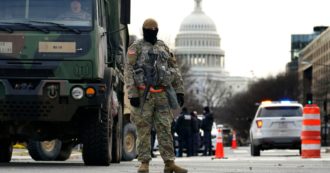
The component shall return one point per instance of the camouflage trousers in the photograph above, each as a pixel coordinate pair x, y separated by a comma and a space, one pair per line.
157, 113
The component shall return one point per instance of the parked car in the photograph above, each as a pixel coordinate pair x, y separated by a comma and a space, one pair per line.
276, 125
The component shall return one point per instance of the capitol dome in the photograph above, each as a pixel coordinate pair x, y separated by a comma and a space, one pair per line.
198, 44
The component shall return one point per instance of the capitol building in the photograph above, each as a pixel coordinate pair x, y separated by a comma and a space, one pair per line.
198, 45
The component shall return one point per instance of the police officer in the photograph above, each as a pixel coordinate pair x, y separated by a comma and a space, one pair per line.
154, 86
207, 124
153, 140
196, 124
183, 129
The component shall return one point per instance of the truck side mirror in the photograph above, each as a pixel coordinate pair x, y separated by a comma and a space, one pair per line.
125, 12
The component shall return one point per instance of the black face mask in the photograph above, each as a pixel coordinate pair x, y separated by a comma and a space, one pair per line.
150, 35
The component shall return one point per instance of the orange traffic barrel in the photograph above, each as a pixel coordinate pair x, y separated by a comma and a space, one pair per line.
311, 132
219, 152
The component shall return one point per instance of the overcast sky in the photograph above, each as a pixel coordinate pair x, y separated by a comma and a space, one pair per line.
255, 34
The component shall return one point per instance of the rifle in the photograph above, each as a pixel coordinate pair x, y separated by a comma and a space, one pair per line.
150, 74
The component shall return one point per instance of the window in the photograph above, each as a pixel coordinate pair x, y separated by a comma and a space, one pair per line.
281, 111
66, 12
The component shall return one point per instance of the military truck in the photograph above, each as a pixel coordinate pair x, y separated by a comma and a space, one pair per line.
61, 79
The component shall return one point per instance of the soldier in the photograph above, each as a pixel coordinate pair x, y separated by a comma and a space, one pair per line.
207, 124
76, 12
154, 86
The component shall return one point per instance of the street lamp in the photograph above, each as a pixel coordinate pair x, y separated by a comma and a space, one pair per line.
325, 116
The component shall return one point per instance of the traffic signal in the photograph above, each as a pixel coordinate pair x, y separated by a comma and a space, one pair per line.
309, 98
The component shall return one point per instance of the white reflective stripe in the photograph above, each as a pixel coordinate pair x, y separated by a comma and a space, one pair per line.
311, 128
311, 116
310, 146
219, 140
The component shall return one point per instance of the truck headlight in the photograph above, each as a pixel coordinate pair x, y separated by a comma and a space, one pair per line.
77, 93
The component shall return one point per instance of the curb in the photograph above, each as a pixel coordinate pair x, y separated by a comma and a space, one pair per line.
327, 150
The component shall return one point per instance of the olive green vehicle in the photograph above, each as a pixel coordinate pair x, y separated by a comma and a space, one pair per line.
61, 79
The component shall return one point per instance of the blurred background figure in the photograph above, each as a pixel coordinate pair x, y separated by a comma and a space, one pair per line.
153, 139
185, 132
173, 136
76, 12
195, 124
207, 123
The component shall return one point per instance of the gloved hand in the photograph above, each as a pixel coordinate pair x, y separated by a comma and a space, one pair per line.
180, 98
135, 101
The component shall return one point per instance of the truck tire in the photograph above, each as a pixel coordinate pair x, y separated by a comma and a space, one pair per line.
255, 150
6, 150
97, 135
65, 151
97, 140
129, 145
44, 150
117, 138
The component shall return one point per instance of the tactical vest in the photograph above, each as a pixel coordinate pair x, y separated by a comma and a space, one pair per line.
152, 64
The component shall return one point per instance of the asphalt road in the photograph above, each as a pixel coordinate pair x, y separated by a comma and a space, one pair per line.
236, 161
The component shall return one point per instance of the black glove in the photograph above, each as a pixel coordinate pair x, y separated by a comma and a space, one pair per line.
135, 101
180, 98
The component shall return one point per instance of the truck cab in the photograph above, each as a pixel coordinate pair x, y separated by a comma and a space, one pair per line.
61, 77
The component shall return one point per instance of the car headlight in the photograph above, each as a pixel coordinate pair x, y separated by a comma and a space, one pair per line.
77, 93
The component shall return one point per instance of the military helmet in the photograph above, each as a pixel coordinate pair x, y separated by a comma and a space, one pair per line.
150, 24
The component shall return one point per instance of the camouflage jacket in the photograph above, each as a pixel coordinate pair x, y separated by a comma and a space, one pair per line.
137, 55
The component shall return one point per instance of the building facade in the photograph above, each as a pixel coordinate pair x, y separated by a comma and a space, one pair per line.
198, 45
298, 42
314, 75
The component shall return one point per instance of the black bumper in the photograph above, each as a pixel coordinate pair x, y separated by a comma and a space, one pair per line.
35, 104
278, 143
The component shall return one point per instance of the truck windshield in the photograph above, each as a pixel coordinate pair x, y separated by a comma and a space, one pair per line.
45, 13
281, 111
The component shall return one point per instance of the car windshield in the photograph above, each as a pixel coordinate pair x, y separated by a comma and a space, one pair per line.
281, 111
47, 13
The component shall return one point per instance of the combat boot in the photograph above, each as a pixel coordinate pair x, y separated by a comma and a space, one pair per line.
144, 167
171, 167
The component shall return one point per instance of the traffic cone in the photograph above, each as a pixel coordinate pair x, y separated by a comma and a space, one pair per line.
219, 153
233, 141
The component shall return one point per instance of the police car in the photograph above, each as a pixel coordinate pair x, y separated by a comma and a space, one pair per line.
276, 125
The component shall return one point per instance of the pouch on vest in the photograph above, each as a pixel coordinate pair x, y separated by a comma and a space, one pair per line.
138, 76
171, 97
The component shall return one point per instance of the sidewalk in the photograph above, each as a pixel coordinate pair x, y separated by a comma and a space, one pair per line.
326, 149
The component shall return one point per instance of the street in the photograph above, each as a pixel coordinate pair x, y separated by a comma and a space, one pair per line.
235, 161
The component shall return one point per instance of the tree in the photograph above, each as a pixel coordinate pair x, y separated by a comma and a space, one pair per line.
213, 93
191, 101
238, 110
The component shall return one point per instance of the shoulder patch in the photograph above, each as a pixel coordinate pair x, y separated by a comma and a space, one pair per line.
131, 52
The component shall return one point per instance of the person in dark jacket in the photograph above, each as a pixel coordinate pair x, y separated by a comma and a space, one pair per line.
207, 124
185, 132
172, 132
196, 135
153, 139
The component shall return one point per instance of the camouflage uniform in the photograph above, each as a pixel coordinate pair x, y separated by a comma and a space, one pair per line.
76, 12
80, 16
156, 109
